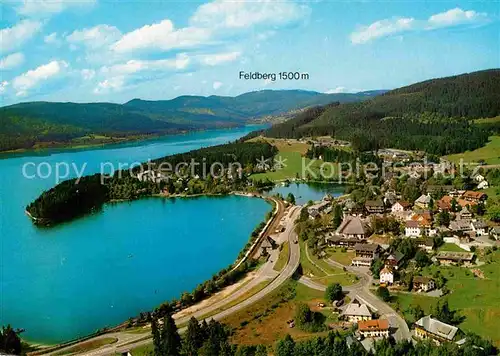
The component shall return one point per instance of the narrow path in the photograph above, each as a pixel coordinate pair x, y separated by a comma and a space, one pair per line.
313, 263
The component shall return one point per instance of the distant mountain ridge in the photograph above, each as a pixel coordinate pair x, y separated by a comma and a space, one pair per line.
32, 124
435, 115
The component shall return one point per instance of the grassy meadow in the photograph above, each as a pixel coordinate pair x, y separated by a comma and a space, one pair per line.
489, 153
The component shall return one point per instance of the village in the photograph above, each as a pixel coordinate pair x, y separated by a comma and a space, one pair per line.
396, 242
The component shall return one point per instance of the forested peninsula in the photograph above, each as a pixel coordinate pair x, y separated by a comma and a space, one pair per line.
77, 197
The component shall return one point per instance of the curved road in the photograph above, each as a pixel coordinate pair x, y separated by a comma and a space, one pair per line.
127, 341
361, 289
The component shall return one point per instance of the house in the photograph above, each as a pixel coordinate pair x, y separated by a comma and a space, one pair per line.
483, 185
424, 217
479, 227
400, 206
425, 243
495, 232
439, 188
418, 228
338, 240
444, 204
412, 229
448, 258
424, 284
475, 197
394, 260
429, 328
423, 201
357, 311
478, 178
460, 226
353, 227
390, 196
386, 276
464, 214
371, 251
316, 209
374, 207
374, 328
365, 254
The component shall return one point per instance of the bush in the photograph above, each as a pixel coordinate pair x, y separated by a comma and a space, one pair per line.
383, 293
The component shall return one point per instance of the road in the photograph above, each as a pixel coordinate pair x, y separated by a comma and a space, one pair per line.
362, 290
127, 341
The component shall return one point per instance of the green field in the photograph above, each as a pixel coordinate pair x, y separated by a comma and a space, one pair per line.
322, 272
451, 247
142, 350
475, 298
489, 153
283, 257
294, 165
336, 254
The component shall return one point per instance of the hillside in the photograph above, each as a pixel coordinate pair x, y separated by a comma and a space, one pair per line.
29, 124
434, 115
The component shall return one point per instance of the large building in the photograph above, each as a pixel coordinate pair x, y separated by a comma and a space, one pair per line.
357, 311
424, 284
374, 207
365, 254
374, 328
448, 258
429, 328
353, 227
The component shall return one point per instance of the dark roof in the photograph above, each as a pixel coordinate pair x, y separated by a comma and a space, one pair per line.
374, 203
366, 247
421, 279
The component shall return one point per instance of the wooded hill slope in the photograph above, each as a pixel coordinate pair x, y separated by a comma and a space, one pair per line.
24, 125
435, 116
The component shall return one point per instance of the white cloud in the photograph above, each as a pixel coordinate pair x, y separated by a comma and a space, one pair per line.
11, 61
35, 77
42, 8
14, 37
3, 86
216, 85
95, 37
390, 27
243, 14
87, 74
381, 28
337, 90
181, 61
161, 36
108, 85
119, 76
218, 58
455, 17
52, 39
210, 24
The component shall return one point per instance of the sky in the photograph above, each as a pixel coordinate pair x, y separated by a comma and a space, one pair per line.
117, 50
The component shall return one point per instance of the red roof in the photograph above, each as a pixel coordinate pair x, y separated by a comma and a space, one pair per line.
373, 325
473, 195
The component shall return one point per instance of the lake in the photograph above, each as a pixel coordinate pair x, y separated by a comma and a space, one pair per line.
311, 191
67, 281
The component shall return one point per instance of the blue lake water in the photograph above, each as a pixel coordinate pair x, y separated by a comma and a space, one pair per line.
63, 282
310, 191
